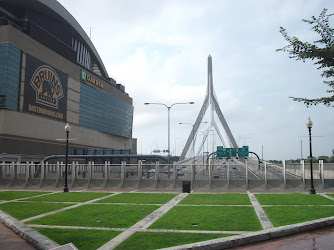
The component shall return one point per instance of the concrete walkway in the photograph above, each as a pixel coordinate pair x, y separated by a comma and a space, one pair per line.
263, 218
11, 241
144, 223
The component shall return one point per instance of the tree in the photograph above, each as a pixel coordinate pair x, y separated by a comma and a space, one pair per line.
323, 54
324, 158
331, 160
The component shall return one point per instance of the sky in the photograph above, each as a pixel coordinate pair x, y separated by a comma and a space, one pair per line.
158, 49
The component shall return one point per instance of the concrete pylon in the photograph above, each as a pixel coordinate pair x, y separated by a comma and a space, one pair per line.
210, 101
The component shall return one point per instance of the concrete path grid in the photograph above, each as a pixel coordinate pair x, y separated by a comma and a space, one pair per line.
39, 241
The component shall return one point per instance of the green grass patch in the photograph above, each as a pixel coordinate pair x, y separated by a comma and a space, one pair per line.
99, 215
332, 195
69, 197
24, 210
162, 240
283, 215
82, 239
292, 199
13, 195
217, 199
209, 218
141, 198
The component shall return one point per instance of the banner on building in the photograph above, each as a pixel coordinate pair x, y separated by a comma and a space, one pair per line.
45, 90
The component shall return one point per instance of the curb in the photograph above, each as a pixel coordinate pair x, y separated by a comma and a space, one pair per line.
254, 237
33, 237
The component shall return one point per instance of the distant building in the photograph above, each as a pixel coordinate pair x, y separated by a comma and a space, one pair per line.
50, 74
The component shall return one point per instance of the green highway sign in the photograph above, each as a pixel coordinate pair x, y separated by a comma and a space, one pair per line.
232, 152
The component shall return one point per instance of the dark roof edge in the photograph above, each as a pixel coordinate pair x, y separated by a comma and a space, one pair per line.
60, 10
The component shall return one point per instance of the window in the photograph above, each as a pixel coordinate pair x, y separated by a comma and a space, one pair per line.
10, 64
104, 113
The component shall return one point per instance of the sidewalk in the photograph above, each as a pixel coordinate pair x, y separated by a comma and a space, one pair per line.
320, 239
11, 241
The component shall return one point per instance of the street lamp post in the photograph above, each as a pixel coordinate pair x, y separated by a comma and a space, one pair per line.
67, 130
168, 107
309, 124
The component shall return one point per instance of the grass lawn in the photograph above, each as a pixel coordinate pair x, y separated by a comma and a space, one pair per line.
24, 210
82, 239
292, 199
209, 218
153, 240
69, 197
285, 215
143, 198
99, 215
332, 195
13, 195
217, 199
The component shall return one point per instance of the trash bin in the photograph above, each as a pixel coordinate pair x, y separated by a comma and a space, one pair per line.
186, 186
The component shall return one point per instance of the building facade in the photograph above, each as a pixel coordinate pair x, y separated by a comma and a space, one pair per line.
51, 74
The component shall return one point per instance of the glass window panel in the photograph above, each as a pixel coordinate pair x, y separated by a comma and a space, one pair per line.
105, 113
10, 59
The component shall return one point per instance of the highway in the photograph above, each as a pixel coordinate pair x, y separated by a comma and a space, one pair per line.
237, 170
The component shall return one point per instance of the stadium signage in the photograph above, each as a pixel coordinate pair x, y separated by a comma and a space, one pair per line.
88, 78
45, 91
47, 85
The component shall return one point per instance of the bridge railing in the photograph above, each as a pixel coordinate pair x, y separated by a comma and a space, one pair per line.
155, 171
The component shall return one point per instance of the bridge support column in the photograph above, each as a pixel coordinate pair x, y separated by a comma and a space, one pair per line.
303, 172
228, 174
246, 175
284, 175
265, 175
321, 169
27, 172
42, 166
140, 169
74, 172
210, 175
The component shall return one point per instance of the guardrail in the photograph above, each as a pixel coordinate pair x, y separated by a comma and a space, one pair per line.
163, 176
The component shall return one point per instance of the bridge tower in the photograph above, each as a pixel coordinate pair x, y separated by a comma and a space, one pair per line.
210, 104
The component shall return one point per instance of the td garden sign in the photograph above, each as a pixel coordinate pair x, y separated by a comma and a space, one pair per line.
88, 78
45, 90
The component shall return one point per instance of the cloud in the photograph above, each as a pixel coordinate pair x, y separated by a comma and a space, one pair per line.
159, 50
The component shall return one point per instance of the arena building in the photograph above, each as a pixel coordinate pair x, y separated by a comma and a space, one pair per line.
51, 74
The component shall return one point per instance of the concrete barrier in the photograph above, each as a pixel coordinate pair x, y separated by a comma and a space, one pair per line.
294, 184
18, 183
49, 183
273, 184
130, 184
97, 184
33, 183
113, 184
165, 184
256, 184
78, 183
238, 185
147, 184
201, 185
219, 185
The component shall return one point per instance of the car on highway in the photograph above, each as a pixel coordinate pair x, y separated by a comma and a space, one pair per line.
180, 173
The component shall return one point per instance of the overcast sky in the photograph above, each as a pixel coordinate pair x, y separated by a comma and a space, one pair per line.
158, 49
